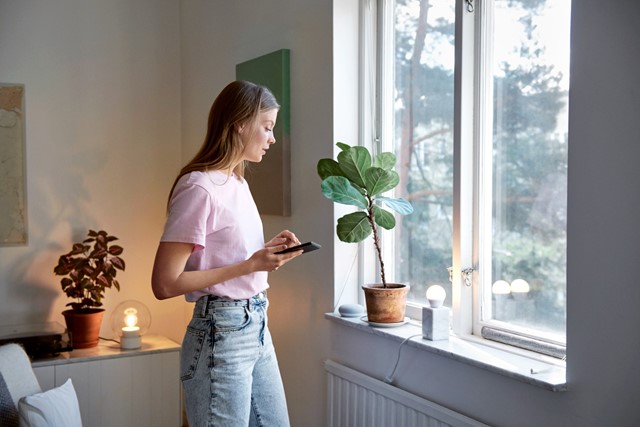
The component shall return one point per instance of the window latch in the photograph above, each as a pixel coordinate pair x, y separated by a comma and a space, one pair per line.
469, 5
467, 275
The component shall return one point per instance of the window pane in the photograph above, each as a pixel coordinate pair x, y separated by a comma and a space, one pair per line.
529, 173
423, 141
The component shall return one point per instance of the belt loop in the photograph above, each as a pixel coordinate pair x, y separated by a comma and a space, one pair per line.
204, 303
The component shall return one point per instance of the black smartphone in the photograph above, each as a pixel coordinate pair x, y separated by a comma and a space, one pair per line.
306, 247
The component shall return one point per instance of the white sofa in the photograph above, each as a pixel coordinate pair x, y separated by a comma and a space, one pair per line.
22, 401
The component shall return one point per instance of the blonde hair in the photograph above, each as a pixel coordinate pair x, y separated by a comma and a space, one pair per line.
238, 104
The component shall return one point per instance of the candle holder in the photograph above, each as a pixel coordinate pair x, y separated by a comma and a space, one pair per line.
130, 320
435, 318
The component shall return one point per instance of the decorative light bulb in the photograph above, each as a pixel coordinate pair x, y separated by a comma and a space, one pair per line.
131, 317
520, 285
436, 295
520, 289
129, 321
435, 318
501, 287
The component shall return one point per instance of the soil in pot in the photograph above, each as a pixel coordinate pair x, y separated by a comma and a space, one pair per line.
84, 326
386, 305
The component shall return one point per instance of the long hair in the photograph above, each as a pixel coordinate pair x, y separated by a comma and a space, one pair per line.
238, 104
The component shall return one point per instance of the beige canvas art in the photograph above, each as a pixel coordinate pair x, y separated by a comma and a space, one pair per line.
13, 215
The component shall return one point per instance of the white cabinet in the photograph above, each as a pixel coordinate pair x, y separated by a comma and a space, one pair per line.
121, 387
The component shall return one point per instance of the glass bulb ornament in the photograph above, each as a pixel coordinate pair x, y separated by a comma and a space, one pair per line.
129, 321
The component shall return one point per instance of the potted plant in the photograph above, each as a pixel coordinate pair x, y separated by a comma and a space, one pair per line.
360, 180
89, 268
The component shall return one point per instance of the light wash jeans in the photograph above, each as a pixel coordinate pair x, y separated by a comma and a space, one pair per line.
228, 365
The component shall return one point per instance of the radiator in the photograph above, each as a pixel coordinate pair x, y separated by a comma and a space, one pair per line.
357, 400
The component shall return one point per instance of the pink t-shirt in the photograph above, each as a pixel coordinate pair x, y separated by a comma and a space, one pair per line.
217, 214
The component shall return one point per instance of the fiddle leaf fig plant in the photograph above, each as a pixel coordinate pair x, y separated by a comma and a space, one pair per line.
89, 268
360, 180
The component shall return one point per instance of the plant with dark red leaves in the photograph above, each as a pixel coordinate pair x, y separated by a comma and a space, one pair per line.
89, 268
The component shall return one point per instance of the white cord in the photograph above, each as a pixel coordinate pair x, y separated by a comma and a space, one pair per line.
346, 280
389, 378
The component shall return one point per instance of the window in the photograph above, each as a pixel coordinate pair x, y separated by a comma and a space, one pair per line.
472, 97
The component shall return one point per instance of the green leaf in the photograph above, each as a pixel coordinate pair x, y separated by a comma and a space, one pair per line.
340, 190
399, 205
343, 146
379, 180
386, 160
328, 167
354, 162
353, 227
383, 218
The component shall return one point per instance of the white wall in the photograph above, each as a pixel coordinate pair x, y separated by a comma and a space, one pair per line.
102, 83
603, 255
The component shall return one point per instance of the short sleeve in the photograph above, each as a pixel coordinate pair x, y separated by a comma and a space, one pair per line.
189, 212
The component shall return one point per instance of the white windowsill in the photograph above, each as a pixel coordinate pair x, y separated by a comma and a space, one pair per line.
538, 373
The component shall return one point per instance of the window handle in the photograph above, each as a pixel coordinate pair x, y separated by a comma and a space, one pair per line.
467, 275
469, 5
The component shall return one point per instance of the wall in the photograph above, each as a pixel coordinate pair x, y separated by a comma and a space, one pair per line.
113, 87
215, 37
103, 127
603, 254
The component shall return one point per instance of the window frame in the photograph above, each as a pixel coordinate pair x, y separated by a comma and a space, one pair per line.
472, 131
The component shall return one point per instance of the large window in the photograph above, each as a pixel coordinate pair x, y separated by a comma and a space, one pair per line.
474, 104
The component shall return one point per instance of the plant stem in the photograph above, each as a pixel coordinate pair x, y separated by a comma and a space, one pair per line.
376, 241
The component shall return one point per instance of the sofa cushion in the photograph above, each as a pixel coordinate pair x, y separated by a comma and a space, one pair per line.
18, 374
57, 407
8, 411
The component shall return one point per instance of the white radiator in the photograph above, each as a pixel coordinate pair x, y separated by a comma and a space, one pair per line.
357, 400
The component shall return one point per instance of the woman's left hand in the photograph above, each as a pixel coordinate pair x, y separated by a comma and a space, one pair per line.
285, 237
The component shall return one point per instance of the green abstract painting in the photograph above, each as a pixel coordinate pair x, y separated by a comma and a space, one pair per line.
270, 180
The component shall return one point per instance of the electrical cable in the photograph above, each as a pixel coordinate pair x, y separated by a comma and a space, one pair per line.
389, 378
346, 280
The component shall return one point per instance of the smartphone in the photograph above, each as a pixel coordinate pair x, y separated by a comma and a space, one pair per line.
306, 247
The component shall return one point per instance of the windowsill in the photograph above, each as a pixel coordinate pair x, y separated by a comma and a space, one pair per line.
545, 375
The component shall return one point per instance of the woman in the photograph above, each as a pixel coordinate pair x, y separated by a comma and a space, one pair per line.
212, 251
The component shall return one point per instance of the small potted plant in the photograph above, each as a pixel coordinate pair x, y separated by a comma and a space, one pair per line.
89, 268
360, 180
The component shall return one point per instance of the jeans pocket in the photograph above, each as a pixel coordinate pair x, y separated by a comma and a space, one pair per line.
192, 346
230, 319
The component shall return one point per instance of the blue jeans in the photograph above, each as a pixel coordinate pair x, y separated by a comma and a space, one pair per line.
228, 366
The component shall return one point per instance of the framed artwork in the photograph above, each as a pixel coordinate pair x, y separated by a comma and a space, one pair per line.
270, 180
13, 212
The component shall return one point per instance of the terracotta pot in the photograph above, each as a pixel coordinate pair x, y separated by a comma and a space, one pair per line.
386, 305
84, 326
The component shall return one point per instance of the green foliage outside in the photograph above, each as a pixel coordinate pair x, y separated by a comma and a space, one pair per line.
530, 159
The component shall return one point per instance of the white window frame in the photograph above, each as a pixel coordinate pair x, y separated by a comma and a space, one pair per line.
472, 130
